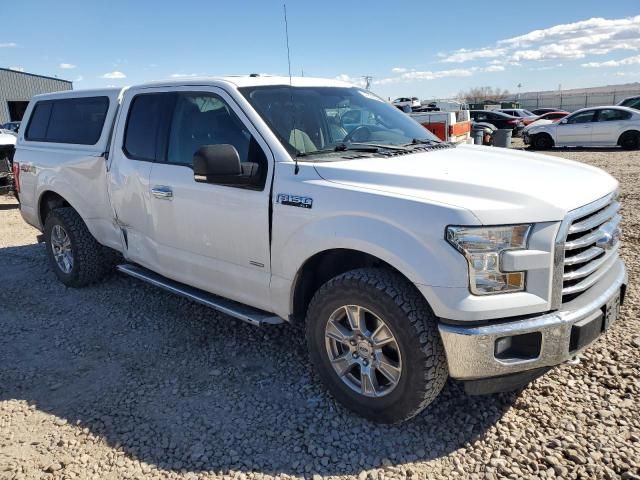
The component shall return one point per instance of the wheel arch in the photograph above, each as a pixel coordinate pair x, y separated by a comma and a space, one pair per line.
47, 201
626, 132
323, 266
544, 133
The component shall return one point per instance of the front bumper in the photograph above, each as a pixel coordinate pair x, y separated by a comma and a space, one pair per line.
471, 350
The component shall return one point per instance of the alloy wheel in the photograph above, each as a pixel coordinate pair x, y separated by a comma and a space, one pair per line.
363, 351
61, 248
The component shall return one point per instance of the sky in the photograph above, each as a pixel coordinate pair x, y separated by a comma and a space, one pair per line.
410, 48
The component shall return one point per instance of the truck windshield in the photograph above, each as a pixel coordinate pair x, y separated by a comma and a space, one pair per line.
315, 120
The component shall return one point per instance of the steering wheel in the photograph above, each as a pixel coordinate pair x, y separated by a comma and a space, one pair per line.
362, 129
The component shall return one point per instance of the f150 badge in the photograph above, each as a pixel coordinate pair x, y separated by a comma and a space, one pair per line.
294, 200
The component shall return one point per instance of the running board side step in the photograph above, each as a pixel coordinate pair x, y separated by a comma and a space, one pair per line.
237, 310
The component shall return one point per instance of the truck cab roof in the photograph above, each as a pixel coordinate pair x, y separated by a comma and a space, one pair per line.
249, 81
237, 81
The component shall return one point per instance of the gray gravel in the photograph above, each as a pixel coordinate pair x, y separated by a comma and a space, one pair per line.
120, 380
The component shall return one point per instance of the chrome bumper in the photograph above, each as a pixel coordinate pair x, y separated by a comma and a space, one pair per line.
471, 349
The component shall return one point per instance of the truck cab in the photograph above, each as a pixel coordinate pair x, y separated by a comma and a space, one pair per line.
407, 259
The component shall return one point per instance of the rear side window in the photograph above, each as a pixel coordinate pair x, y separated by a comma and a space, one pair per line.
39, 122
612, 115
69, 120
147, 126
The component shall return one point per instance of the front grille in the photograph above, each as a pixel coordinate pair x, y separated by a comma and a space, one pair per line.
590, 247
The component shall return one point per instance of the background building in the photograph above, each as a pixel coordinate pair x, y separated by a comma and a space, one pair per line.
16, 88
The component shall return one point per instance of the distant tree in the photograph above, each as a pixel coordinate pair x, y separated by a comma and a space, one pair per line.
480, 94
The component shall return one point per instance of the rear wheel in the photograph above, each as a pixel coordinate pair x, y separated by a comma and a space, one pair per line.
75, 256
375, 344
629, 140
541, 141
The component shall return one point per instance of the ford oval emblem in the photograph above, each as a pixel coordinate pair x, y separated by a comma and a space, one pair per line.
610, 236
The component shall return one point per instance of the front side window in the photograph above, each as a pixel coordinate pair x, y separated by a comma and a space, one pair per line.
582, 117
613, 115
69, 120
201, 119
321, 119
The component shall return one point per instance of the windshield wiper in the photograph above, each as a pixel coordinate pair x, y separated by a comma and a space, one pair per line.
356, 146
422, 141
367, 147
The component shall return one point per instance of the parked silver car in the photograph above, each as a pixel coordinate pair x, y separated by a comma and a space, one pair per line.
589, 127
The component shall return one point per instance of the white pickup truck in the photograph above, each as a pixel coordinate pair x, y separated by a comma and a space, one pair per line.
408, 260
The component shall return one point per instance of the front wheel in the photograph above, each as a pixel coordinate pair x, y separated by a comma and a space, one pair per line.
541, 141
374, 342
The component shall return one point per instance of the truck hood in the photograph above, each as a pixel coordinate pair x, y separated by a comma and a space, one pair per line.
497, 185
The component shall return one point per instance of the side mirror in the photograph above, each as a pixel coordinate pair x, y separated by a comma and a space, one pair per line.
219, 164
563, 121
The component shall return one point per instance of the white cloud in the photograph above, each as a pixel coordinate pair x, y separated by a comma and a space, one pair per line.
595, 36
464, 55
183, 75
545, 67
425, 75
8, 45
114, 75
398, 69
79, 78
67, 66
17, 69
343, 77
428, 75
494, 68
614, 63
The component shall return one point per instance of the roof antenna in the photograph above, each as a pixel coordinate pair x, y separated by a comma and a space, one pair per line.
293, 106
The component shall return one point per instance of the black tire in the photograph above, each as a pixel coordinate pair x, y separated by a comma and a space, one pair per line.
541, 141
413, 324
629, 141
90, 262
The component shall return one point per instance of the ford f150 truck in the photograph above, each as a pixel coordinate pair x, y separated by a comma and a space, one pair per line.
407, 259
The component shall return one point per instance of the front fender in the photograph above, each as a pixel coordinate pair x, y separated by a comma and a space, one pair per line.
422, 261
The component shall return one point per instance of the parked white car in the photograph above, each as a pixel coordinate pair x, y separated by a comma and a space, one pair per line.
589, 127
413, 102
405, 259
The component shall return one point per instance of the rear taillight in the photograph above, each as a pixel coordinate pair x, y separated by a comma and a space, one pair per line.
16, 176
512, 122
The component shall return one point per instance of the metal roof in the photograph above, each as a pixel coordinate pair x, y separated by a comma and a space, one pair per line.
35, 75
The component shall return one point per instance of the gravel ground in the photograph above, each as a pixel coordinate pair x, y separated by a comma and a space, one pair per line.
121, 380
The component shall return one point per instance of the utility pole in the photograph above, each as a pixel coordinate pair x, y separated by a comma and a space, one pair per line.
367, 81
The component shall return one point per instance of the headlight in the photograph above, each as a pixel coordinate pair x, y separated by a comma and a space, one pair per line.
482, 247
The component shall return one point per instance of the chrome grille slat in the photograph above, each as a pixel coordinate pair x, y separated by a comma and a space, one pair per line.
587, 256
590, 280
595, 220
591, 237
584, 241
590, 267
